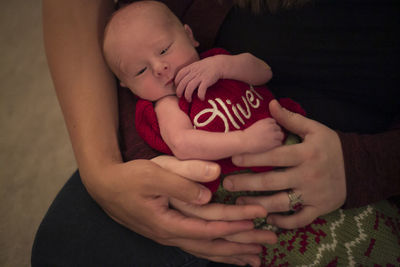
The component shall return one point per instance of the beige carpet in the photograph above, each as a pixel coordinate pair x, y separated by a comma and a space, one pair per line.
35, 154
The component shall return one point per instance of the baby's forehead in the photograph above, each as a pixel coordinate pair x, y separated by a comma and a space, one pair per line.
145, 11
134, 22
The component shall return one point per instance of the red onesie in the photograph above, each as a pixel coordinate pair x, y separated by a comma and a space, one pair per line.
229, 105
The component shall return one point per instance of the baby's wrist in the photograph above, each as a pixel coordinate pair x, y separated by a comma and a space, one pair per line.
247, 144
222, 64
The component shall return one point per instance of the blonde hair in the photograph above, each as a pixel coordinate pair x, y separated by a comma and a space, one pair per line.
272, 5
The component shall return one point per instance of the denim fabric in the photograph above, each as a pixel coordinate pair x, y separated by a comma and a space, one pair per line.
77, 232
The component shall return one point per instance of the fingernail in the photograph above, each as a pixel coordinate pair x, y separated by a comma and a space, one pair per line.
237, 160
276, 101
212, 171
204, 195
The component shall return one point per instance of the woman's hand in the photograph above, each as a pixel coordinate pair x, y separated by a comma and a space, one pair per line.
314, 169
239, 248
226, 249
139, 200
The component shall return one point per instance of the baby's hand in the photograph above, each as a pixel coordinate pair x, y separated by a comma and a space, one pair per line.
200, 74
263, 135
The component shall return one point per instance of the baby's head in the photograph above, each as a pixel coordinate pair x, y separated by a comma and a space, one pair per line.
145, 45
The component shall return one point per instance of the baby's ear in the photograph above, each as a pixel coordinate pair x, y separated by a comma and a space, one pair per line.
189, 33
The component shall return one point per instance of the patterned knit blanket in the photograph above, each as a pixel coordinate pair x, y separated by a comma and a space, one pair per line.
367, 236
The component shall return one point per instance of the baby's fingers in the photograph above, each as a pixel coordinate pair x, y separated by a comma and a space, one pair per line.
181, 74
190, 88
201, 92
181, 80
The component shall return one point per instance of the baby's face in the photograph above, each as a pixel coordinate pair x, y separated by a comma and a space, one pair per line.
151, 56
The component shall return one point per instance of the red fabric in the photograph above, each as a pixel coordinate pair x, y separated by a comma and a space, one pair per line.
234, 100
147, 126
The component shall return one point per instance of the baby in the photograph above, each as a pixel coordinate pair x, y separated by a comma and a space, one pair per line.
155, 56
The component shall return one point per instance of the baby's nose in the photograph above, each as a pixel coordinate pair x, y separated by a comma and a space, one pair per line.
161, 69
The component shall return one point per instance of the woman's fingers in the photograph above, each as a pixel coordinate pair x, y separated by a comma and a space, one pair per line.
274, 180
196, 170
216, 211
142, 205
160, 182
293, 122
177, 184
178, 225
253, 236
277, 202
282, 156
296, 220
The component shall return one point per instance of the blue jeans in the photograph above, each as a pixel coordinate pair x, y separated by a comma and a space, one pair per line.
77, 232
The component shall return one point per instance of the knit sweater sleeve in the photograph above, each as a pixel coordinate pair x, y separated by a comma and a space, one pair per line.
372, 166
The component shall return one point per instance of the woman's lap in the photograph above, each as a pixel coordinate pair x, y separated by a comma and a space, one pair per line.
76, 232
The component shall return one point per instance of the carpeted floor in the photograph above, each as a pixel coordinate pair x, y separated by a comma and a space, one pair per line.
35, 154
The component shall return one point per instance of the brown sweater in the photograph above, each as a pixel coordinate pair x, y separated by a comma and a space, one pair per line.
372, 161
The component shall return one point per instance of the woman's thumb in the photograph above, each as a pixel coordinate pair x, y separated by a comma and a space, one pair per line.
293, 122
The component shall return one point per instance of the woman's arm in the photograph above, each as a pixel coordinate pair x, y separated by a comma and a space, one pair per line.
372, 166
85, 87
188, 143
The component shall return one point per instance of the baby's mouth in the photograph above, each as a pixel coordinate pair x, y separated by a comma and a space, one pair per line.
171, 81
